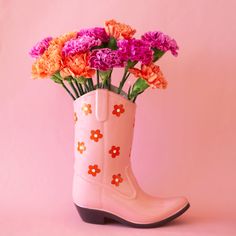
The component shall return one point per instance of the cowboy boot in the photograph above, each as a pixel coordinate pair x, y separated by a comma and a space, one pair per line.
104, 186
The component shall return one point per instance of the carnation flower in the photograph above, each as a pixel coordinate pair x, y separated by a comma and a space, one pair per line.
135, 50
40, 47
80, 45
96, 32
151, 74
161, 41
51, 60
77, 66
48, 63
118, 30
60, 41
105, 59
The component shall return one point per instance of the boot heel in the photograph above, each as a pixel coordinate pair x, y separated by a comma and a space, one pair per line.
91, 216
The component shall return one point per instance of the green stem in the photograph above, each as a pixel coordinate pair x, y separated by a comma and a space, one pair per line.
130, 64
124, 78
134, 99
98, 79
79, 87
109, 81
68, 91
86, 86
127, 76
105, 85
90, 83
74, 89
129, 92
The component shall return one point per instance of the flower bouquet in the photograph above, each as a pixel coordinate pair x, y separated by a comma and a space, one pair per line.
74, 59
82, 63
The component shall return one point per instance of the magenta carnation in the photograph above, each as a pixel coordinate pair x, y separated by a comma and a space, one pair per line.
97, 32
80, 45
135, 50
105, 59
40, 47
161, 41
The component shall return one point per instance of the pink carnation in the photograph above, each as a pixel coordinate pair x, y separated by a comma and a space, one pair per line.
80, 45
161, 41
96, 32
40, 47
135, 50
105, 59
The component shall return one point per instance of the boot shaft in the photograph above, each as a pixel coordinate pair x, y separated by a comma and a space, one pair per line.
104, 123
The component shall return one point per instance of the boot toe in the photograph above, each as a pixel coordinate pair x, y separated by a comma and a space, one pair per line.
176, 204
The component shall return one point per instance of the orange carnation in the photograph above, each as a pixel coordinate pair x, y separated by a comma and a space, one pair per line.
151, 74
48, 63
61, 40
51, 60
116, 29
76, 66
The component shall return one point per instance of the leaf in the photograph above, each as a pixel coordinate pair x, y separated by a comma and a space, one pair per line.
80, 79
68, 78
56, 78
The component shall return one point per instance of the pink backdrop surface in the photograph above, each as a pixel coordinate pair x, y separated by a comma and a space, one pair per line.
185, 137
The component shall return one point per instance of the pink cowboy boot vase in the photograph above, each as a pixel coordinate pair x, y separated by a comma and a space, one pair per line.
104, 186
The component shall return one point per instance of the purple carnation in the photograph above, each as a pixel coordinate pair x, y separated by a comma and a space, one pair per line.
97, 32
135, 50
80, 45
40, 47
161, 41
105, 59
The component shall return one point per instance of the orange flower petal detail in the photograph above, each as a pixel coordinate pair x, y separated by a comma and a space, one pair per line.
151, 74
51, 60
86, 109
117, 30
93, 170
77, 66
118, 110
116, 180
81, 147
95, 135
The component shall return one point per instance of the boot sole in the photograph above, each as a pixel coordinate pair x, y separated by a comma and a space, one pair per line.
101, 217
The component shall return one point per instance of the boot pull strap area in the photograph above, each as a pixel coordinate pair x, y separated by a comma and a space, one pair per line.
102, 97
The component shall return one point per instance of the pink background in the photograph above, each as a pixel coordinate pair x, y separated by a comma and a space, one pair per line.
185, 142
